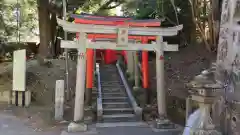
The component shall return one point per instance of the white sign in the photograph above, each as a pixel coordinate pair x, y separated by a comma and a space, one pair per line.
19, 70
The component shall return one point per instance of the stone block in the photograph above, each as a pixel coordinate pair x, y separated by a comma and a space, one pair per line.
77, 127
18, 98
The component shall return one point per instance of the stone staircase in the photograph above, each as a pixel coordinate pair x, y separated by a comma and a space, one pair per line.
116, 106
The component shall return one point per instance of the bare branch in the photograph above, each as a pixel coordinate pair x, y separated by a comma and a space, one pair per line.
3, 23
111, 7
199, 27
108, 3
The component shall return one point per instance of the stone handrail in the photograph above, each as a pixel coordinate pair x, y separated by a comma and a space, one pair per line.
137, 109
99, 98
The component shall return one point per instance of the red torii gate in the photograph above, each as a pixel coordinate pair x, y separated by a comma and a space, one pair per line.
110, 55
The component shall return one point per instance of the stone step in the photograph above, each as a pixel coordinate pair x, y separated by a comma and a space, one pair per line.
115, 105
112, 91
112, 81
109, 79
122, 124
109, 91
115, 99
112, 84
107, 69
119, 118
110, 111
113, 94
107, 75
113, 88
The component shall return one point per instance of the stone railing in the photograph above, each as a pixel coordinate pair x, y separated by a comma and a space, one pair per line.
136, 108
99, 98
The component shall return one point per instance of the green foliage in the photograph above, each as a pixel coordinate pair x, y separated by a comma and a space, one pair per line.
91, 6
28, 22
170, 10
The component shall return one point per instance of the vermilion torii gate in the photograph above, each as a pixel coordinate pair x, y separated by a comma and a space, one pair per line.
121, 43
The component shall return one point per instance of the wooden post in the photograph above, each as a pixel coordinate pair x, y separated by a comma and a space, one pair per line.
94, 62
90, 67
145, 71
59, 99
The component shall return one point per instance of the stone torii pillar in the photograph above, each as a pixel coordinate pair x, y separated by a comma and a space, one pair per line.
161, 93
122, 44
80, 80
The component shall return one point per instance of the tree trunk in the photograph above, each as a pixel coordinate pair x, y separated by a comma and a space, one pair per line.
44, 30
193, 26
53, 34
216, 4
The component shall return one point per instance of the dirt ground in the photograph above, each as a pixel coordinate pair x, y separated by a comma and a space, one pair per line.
41, 81
180, 67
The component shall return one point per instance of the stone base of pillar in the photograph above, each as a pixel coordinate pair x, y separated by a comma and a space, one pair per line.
88, 120
167, 127
140, 96
95, 73
165, 124
88, 96
136, 88
77, 127
128, 74
131, 81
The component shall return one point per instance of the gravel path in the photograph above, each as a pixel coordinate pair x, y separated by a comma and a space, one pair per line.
11, 125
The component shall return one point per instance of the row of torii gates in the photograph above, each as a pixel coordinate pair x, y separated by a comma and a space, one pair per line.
123, 30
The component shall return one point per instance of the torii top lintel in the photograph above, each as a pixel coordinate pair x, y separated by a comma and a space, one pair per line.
115, 21
102, 29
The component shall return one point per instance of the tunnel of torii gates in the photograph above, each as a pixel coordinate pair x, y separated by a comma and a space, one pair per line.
122, 29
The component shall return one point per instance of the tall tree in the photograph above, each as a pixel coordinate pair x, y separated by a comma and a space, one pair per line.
44, 29
206, 16
47, 12
27, 19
